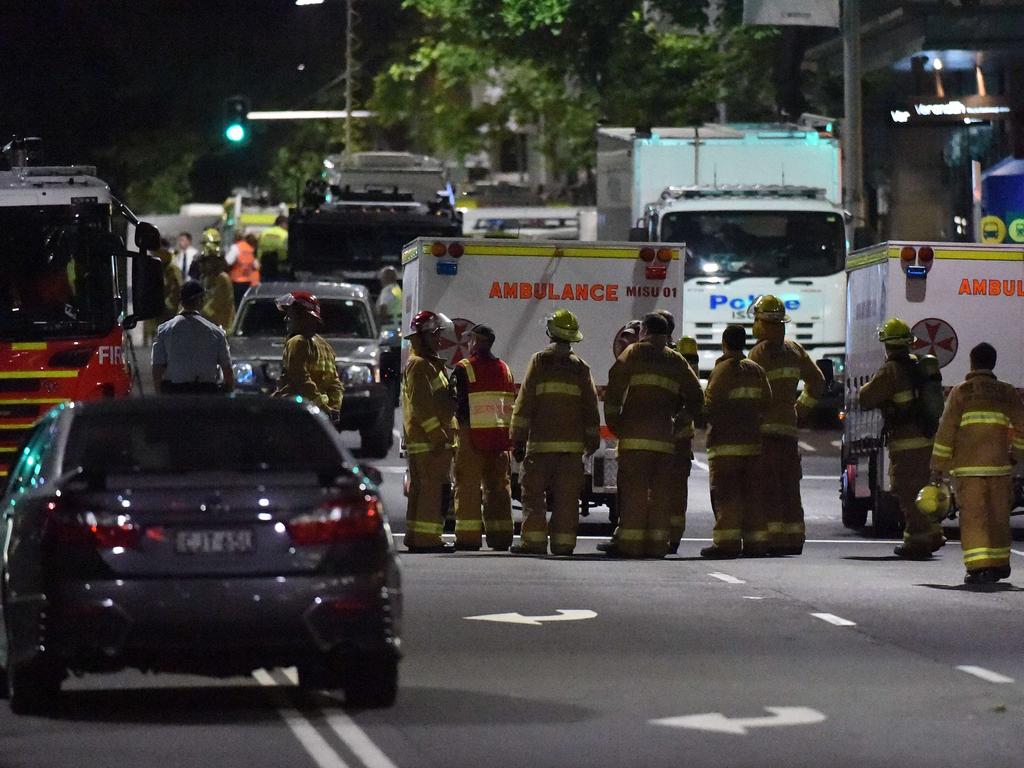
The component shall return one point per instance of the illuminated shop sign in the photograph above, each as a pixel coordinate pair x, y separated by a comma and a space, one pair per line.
968, 109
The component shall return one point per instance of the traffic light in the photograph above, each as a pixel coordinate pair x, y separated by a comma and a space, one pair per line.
236, 119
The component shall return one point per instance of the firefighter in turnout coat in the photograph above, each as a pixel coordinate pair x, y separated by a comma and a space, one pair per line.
973, 444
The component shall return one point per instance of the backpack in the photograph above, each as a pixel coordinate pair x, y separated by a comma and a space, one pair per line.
929, 398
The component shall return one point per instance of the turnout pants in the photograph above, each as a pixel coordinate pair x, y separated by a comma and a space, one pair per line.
646, 493
739, 515
780, 479
562, 475
985, 505
424, 518
482, 483
908, 474
680, 479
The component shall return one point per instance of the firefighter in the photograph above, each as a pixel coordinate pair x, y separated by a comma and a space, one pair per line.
485, 393
219, 307
554, 423
308, 366
785, 364
892, 390
682, 464
428, 411
649, 385
736, 401
272, 250
973, 444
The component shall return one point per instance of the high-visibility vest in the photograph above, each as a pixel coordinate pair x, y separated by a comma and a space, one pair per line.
391, 300
492, 394
244, 269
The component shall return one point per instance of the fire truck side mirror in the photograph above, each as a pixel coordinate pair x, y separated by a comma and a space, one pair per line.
147, 237
147, 288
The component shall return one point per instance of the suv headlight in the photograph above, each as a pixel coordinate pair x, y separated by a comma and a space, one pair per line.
244, 373
273, 370
357, 375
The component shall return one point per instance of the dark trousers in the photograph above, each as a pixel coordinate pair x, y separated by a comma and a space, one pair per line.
189, 388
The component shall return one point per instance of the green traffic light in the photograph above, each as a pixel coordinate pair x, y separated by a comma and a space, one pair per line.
235, 132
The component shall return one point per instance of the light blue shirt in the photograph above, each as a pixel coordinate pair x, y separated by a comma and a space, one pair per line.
192, 348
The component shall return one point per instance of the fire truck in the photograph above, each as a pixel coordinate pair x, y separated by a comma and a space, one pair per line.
513, 285
65, 304
953, 296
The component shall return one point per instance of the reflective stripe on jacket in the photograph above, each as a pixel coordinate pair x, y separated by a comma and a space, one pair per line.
892, 390
649, 386
736, 401
974, 436
427, 408
489, 394
309, 369
785, 365
556, 409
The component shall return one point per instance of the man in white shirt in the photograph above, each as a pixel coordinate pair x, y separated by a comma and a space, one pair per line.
188, 350
185, 255
389, 302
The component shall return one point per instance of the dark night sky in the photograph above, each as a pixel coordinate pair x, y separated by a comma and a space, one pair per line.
87, 75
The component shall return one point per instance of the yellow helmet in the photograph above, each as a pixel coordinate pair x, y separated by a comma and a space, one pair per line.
933, 501
770, 308
563, 326
211, 241
687, 345
895, 332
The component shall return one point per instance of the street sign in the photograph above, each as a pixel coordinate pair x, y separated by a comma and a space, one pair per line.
1015, 229
716, 722
993, 230
935, 337
518, 618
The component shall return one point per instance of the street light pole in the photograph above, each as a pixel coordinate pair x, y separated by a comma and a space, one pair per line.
853, 161
349, 40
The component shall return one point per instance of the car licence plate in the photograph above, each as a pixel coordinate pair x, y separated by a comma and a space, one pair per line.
214, 542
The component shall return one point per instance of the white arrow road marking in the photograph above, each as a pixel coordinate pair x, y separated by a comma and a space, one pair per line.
719, 723
518, 618
726, 578
831, 618
985, 674
807, 446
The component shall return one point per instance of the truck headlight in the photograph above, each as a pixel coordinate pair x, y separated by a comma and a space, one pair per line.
273, 370
243, 373
357, 375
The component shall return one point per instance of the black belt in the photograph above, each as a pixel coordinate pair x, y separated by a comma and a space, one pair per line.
189, 388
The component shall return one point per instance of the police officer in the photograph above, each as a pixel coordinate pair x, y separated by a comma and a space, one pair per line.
736, 401
786, 364
308, 366
892, 390
649, 385
485, 393
189, 350
973, 444
427, 410
554, 423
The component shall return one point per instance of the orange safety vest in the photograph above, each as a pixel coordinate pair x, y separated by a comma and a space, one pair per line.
492, 394
244, 269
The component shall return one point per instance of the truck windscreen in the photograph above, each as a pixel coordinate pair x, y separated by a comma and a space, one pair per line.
56, 272
758, 243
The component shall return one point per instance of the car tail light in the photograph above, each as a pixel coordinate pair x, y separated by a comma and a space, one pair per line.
345, 518
647, 254
455, 250
665, 254
438, 249
102, 530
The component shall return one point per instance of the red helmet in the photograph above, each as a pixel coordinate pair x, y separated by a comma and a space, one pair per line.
428, 322
304, 300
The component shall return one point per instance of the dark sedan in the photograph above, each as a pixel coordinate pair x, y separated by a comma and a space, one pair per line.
200, 535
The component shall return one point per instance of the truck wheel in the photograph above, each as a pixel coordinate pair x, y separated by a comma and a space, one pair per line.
855, 511
376, 440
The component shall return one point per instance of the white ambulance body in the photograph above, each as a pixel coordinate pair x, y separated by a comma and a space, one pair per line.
513, 286
953, 296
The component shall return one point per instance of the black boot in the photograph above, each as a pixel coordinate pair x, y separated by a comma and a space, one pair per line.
910, 553
981, 576
717, 553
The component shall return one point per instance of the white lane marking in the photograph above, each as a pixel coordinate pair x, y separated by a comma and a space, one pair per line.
536, 621
833, 478
352, 735
985, 674
701, 465
726, 578
837, 443
807, 446
391, 470
751, 597
719, 723
1017, 552
831, 618
397, 433
307, 734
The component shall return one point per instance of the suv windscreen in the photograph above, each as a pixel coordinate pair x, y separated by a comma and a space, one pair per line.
758, 243
154, 442
343, 318
56, 271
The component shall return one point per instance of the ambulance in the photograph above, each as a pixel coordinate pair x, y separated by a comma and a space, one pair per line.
513, 286
953, 296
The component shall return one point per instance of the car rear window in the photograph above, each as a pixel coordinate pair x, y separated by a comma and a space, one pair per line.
184, 440
342, 318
